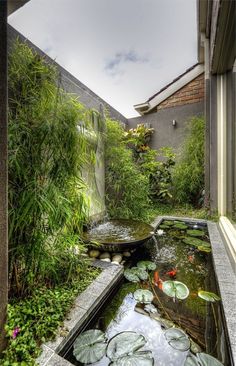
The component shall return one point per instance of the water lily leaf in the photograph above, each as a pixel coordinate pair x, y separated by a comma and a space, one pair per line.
131, 275
180, 225
137, 359
195, 242
143, 296
90, 346
150, 308
177, 339
208, 296
202, 248
124, 344
175, 289
162, 226
168, 223
195, 232
147, 265
191, 360
135, 274
207, 360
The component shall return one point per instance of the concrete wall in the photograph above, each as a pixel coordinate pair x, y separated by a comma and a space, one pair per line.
165, 133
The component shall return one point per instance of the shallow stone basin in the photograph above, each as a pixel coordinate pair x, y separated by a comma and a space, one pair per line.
119, 235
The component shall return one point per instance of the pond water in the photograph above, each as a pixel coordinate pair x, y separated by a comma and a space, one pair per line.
177, 258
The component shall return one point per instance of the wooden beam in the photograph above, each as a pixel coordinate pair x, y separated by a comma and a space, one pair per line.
3, 173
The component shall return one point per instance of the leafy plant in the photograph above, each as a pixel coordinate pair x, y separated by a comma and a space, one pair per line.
197, 233
202, 359
127, 193
135, 274
90, 346
175, 289
208, 296
196, 242
147, 265
188, 174
177, 339
47, 153
143, 296
38, 317
140, 358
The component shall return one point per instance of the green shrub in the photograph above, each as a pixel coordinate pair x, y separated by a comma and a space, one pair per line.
188, 176
127, 189
47, 204
36, 319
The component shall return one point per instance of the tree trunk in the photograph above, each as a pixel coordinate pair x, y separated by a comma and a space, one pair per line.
3, 173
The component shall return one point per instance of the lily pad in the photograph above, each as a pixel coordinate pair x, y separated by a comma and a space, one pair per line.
124, 344
90, 346
202, 248
191, 360
162, 226
135, 274
207, 360
143, 296
146, 265
177, 339
151, 309
197, 233
180, 226
175, 289
143, 358
168, 222
208, 296
195, 242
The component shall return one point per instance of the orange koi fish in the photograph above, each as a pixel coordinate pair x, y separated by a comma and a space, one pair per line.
172, 273
157, 280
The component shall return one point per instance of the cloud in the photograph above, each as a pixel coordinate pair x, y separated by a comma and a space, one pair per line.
115, 65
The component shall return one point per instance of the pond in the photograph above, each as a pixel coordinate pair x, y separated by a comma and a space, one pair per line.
175, 320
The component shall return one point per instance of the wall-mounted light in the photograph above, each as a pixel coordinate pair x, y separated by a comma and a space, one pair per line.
174, 123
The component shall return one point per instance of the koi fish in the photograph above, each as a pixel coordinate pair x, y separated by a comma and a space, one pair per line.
157, 280
172, 273
191, 258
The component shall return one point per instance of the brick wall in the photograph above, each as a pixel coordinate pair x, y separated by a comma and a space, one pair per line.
193, 92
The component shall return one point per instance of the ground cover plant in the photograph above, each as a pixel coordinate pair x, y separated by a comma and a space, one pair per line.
36, 319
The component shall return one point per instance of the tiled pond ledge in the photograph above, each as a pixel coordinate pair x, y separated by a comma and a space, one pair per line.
81, 311
225, 275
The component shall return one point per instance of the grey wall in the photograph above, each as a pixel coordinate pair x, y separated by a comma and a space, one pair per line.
165, 134
68, 82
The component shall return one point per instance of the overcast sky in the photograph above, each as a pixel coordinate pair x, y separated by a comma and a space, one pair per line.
124, 50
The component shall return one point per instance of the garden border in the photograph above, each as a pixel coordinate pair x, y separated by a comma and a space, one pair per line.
83, 307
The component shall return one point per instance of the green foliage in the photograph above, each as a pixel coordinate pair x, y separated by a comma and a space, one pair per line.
188, 175
127, 191
38, 318
47, 204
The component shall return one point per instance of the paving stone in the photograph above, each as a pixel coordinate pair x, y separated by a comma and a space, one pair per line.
58, 361
46, 354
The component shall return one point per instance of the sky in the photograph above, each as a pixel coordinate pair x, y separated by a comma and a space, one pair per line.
124, 50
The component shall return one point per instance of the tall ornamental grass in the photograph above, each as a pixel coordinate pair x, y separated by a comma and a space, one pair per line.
47, 206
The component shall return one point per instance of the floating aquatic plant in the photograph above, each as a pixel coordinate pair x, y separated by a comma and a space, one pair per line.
143, 296
195, 242
208, 296
135, 274
195, 232
175, 289
90, 346
162, 226
150, 308
168, 222
141, 358
124, 344
202, 359
147, 265
177, 339
180, 226
205, 249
